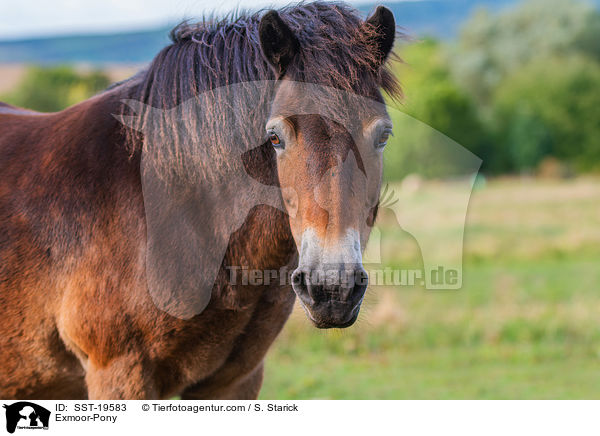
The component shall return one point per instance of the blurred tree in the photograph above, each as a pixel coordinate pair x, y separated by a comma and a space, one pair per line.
433, 104
53, 89
588, 40
491, 47
550, 107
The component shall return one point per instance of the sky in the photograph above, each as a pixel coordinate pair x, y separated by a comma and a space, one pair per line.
33, 18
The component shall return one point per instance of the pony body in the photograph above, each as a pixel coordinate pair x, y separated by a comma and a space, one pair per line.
77, 318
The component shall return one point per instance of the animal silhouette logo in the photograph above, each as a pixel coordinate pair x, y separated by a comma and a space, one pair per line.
189, 229
26, 415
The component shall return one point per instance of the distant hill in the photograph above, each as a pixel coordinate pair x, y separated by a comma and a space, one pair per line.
439, 18
131, 48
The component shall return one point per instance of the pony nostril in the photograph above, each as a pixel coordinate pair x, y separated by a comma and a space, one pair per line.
356, 285
361, 278
299, 279
305, 287
301, 284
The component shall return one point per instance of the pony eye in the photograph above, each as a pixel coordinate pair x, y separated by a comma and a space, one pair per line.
383, 138
275, 141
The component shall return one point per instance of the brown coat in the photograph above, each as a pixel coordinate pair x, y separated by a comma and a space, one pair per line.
75, 309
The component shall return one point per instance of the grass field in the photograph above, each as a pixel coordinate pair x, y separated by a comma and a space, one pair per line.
526, 323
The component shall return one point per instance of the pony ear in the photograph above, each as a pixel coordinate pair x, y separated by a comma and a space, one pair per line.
277, 41
383, 20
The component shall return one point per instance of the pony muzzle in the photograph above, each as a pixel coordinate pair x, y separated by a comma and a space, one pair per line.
330, 280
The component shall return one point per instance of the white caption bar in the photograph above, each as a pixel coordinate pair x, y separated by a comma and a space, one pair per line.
300, 417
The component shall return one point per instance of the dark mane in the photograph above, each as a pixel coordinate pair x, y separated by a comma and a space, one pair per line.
337, 50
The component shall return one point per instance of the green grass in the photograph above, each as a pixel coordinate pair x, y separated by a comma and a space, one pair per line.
523, 371
526, 323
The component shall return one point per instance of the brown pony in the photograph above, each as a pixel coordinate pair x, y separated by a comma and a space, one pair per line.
77, 319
